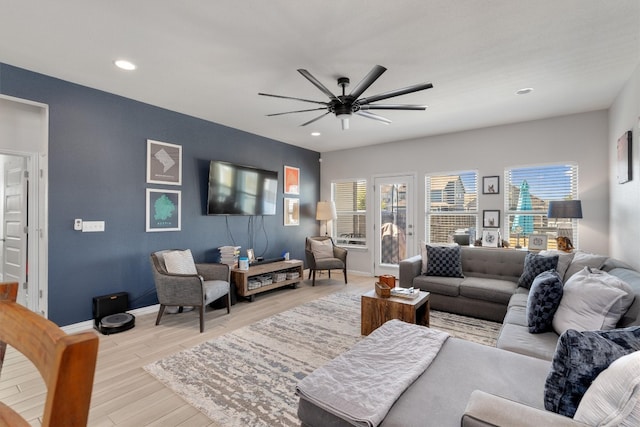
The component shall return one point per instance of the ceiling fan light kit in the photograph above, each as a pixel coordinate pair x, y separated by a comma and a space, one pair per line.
345, 105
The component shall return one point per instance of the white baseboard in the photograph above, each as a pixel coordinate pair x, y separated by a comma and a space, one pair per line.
88, 324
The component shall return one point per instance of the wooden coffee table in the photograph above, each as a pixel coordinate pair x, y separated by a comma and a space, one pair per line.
376, 310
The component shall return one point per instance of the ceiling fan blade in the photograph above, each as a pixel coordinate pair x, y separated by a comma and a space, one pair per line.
290, 97
393, 107
297, 111
367, 81
369, 115
313, 120
319, 85
397, 92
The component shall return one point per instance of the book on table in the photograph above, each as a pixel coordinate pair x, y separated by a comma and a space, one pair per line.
409, 293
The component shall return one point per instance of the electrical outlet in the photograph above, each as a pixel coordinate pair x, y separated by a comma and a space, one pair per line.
77, 224
92, 226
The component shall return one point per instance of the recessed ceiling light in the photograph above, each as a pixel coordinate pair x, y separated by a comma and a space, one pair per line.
524, 91
123, 64
315, 134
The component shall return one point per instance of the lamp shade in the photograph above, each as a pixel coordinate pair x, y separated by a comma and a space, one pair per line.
565, 209
326, 211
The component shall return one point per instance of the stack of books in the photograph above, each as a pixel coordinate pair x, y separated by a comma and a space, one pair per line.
405, 292
229, 255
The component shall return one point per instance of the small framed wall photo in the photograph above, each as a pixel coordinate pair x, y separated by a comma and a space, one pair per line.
291, 180
163, 210
490, 185
164, 163
491, 219
291, 211
490, 238
538, 242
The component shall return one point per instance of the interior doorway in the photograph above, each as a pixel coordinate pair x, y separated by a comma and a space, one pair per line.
24, 173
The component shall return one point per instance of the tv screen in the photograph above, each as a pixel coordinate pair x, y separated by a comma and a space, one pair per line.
241, 190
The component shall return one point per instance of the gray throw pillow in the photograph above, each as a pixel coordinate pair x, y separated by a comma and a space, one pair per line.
444, 261
544, 297
535, 264
579, 358
584, 259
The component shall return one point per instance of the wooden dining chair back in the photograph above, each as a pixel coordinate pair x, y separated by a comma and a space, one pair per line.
8, 292
65, 362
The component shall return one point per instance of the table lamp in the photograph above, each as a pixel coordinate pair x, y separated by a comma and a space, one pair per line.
326, 211
565, 209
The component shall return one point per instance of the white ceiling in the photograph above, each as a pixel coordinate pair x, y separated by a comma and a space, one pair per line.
209, 59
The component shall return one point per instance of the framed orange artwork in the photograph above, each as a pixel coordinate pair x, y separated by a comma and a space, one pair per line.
291, 180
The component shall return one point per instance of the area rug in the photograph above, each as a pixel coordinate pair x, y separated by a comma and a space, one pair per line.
248, 376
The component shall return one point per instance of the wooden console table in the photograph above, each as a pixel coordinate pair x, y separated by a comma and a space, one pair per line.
241, 277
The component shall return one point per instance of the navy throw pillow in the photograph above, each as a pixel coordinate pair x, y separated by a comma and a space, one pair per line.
535, 264
543, 301
444, 261
579, 358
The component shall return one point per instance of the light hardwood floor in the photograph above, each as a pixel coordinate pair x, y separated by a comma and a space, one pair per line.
124, 394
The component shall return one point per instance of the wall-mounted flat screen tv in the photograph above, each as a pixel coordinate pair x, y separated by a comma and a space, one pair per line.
241, 190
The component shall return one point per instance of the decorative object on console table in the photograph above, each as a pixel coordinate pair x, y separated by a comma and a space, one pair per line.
291, 211
625, 164
565, 209
164, 163
490, 185
326, 211
491, 218
538, 242
291, 180
490, 238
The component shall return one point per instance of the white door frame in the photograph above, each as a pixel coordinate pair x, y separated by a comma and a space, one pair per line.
411, 198
37, 166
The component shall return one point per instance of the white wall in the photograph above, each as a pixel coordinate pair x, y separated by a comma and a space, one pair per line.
624, 209
581, 138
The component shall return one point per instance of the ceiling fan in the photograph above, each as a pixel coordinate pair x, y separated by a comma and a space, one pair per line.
343, 106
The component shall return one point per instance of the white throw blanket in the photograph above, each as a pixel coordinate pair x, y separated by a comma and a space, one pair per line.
363, 383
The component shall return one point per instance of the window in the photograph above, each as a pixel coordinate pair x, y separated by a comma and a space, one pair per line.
528, 193
451, 206
351, 207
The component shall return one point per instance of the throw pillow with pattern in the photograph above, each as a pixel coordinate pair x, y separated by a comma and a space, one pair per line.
444, 261
535, 264
579, 359
543, 301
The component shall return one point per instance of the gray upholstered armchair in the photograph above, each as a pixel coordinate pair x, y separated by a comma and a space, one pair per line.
188, 284
322, 254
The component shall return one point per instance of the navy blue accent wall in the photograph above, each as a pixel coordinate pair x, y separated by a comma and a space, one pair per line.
97, 171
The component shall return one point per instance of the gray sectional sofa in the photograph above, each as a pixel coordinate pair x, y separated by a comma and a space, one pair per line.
473, 385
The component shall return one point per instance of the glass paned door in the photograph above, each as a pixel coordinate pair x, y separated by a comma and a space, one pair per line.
393, 222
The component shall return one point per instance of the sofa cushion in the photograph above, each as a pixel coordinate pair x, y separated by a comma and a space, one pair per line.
321, 249
179, 262
543, 301
499, 291
592, 300
613, 399
517, 315
519, 298
579, 358
444, 261
535, 264
584, 259
449, 286
564, 260
516, 338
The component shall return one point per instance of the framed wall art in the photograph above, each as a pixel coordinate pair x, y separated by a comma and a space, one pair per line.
291, 180
538, 242
490, 238
624, 158
163, 210
490, 185
164, 163
491, 219
291, 211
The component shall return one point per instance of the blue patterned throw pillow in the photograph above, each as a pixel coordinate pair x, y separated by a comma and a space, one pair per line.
535, 264
579, 358
444, 261
543, 301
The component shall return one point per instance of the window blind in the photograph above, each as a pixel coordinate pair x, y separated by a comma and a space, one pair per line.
350, 197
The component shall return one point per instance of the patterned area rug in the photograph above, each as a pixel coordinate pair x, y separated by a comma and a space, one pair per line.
248, 376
